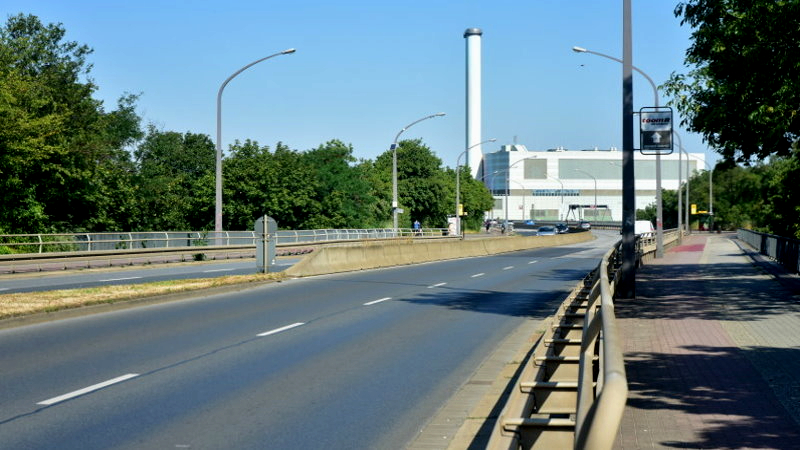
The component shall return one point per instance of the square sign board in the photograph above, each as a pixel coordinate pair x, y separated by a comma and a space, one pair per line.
655, 131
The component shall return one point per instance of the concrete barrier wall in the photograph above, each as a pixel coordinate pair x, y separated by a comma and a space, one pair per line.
373, 255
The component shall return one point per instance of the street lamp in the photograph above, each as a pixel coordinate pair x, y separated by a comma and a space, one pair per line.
458, 182
394, 165
218, 173
490, 182
659, 208
710, 186
522, 187
595, 187
680, 181
562, 194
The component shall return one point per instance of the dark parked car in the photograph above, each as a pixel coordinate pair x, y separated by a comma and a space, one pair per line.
546, 231
562, 228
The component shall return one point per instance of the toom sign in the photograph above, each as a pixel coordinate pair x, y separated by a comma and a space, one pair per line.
655, 130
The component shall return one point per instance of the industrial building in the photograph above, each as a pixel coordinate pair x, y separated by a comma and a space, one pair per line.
560, 184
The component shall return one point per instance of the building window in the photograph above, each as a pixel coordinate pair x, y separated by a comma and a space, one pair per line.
535, 169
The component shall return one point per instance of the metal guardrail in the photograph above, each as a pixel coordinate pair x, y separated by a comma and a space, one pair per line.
88, 242
572, 390
601, 400
784, 251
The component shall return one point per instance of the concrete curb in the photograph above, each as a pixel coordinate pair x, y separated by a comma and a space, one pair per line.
386, 254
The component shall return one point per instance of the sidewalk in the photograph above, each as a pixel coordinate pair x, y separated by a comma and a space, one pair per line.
712, 351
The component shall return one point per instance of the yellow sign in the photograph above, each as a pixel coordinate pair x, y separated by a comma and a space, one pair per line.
460, 209
694, 208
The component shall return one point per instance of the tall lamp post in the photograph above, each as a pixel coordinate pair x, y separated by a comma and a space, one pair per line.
562, 194
680, 188
659, 207
595, 187
218, 173
710, 187
458, 181
394, 165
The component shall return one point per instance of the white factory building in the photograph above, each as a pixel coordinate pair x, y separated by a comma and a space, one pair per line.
560, 184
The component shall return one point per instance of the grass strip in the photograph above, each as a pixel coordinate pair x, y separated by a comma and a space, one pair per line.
26, 303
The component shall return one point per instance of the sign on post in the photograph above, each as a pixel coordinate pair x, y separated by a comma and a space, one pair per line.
655, 130
266, 229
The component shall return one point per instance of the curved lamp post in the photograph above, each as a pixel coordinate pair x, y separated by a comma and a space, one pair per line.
595, 187
490, 176
394, 164
562, 194
218, 173
680, 188
659, 209
458, 182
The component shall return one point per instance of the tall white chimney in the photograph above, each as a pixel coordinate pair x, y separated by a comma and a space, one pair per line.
475, 154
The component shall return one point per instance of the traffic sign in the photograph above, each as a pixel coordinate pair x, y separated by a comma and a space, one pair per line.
655, 130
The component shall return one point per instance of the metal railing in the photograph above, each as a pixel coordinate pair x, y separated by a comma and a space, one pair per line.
553, 403
89, 242
785, 251
600, 408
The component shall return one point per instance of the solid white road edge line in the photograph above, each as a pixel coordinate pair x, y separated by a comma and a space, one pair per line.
218, 270
86, 390
478, 275
278, 330
119, 279
377, 301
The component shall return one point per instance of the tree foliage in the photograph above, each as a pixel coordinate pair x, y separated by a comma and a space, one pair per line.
175, 181
60, 151
742, 93
67, 164
424, 191
343, 192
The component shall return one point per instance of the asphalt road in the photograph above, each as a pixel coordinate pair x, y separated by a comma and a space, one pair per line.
49, 281
356, 360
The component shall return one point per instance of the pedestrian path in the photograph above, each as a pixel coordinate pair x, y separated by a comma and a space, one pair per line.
712, 352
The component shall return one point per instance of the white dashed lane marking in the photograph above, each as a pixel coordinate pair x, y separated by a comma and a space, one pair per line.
88, 389
278, 330
377, 301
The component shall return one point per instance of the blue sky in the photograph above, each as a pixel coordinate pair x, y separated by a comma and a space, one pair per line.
365, 69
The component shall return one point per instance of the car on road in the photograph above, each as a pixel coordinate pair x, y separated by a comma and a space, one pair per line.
585, 225
546, 231
562, 228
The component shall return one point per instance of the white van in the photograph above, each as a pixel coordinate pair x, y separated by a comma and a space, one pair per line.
643, 228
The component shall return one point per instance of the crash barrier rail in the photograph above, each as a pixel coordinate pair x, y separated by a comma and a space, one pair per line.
785, 251
572, 390
87, 242
646, 244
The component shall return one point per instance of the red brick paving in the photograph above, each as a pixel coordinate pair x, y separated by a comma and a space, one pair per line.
690, 384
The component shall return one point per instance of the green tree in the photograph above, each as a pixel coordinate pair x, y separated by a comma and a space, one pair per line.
61, 154
782, 208
669, 210
279, 184
474, 197
742, 94
738, 198
343, 191
424, 191
175, 181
